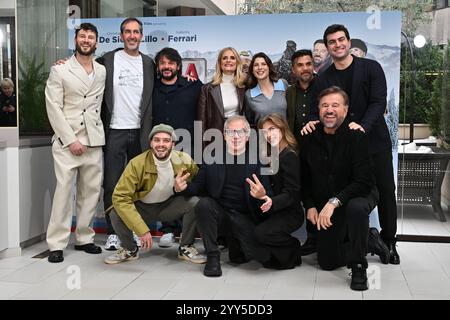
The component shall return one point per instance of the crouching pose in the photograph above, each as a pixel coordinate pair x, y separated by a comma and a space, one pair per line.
145, 193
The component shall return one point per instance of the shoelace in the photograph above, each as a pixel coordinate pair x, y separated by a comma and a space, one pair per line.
121, 252
113, 239
191, 249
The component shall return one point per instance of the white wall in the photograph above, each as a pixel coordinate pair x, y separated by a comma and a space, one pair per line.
7, 4
3, 200
10, 223
37, 184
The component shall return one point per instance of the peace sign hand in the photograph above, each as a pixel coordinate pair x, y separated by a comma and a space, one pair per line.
256, 188
180, 183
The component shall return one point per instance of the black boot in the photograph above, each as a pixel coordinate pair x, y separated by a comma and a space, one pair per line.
377, 246
394, 257
359, 278
212, 267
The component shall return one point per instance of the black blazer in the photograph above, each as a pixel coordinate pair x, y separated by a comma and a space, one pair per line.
146, 101
345, 174
210, 179
286, 182
367, 102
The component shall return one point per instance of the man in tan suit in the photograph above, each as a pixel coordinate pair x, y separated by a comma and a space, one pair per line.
74, 95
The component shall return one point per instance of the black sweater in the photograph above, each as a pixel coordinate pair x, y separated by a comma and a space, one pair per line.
345, 174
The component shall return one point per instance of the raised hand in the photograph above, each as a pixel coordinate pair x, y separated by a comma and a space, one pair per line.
355, 126
309, 127
180, 183
257, 190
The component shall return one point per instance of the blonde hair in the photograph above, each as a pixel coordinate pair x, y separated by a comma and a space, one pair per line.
287, 137
238, 79
7, 82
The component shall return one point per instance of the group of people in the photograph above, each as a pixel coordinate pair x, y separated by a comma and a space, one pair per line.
8, 104
324, 154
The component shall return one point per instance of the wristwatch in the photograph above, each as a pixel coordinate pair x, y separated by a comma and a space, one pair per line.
335, 201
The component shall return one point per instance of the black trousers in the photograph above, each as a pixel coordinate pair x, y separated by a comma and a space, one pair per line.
387, 205
122, 145
268, 242
345, 242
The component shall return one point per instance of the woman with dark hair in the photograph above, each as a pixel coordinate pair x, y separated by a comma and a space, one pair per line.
282, 214
223, 97
266, 94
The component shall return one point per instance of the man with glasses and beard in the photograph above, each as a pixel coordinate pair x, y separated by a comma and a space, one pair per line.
175, 102
73, 95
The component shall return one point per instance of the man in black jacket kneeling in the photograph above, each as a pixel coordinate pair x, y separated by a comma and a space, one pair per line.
338, 188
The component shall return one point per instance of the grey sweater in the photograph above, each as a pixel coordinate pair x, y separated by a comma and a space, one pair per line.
257, 105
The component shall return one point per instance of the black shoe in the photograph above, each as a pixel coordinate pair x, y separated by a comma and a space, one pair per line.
359, 278
394, 257
309, 247
377, 246
212, 267
56, 256
89, 248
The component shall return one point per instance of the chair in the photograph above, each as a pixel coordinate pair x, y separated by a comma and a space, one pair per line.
420, 177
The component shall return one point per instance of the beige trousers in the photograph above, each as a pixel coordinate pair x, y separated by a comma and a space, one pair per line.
87, 169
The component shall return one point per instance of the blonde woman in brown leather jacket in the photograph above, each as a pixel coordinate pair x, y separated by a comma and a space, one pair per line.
224, 95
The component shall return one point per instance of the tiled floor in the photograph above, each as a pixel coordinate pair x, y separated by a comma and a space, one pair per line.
423, 274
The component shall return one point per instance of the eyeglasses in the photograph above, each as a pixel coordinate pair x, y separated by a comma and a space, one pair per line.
232, 133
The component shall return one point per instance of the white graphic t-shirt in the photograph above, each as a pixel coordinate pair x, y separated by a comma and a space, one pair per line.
128, 87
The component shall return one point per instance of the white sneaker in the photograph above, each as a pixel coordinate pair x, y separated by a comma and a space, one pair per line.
137, 240
112, 243
190, 253
167, 240
122, 255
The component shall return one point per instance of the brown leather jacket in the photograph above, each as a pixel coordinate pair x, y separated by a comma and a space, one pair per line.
210, 106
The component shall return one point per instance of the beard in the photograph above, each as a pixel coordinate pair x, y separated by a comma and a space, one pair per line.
172, 75
80, 51
163, 154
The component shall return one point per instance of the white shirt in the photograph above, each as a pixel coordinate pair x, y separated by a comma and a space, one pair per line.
127, 91
163, 188
91, 76
229, 96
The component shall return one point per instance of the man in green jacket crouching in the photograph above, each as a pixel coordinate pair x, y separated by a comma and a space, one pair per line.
145, 193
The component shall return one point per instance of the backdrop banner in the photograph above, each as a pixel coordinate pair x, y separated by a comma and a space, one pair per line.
200, 38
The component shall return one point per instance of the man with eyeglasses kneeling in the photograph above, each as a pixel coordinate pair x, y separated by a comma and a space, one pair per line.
230, 201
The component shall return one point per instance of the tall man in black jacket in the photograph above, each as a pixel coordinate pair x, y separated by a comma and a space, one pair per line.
338, 188
175, 101
365, 84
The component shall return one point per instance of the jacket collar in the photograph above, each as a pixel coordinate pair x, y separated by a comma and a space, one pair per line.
77, 69
277, 86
